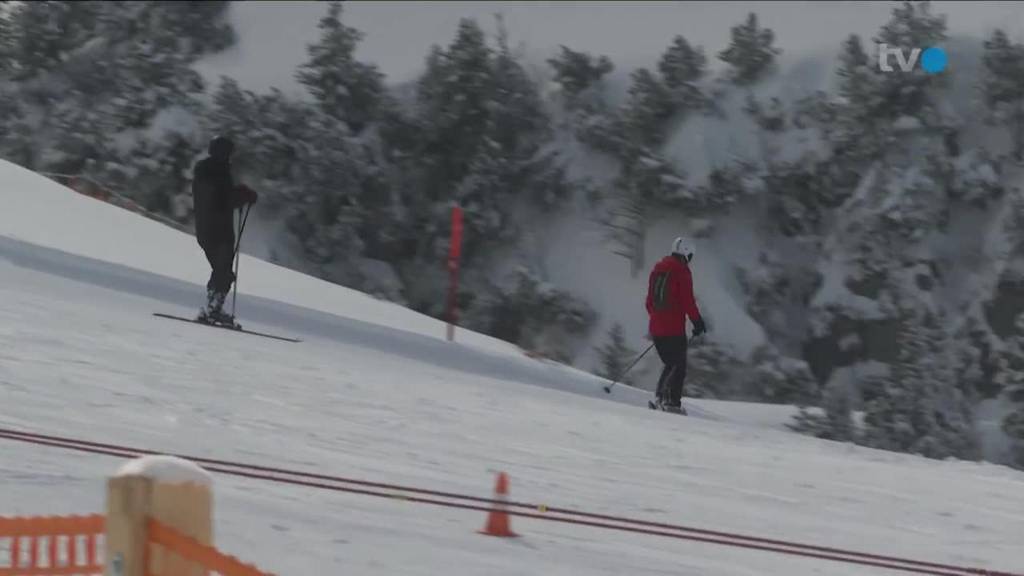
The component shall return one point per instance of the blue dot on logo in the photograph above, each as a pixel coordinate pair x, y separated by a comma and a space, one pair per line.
933, 60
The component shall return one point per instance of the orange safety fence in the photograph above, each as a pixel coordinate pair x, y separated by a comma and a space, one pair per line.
51, 546
168, 547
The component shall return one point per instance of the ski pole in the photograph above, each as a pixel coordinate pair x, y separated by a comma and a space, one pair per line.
238, 245
608, 388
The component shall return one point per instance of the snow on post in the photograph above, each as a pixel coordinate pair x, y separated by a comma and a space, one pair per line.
166, 469
170, 490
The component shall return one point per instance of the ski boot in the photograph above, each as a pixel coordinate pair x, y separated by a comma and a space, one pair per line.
666, 406
214, 314
674, 408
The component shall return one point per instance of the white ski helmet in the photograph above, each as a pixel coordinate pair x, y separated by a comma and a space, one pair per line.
684, 248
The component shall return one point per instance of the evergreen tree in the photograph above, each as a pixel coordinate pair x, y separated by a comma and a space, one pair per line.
151, 76
484, 136
646, 184
920, 409
1010, 378
531, 313
1013, 426
682, 67
232, 108
648, 110
836, 421
162, 171
6, 58
43, 33
579, 73
327, 213
1003, 84
1009, 373
203, 24
751, 52
615, 356
83, 144
908, 93
454, 95
783, 380
345, 87
15, 132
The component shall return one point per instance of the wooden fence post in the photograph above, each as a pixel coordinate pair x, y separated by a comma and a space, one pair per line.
170, 490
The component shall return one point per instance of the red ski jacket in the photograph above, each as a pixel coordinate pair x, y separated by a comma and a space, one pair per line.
670, 298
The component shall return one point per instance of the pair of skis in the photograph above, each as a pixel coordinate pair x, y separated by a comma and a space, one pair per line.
234, 327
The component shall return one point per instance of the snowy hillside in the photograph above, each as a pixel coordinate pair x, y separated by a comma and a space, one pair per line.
35, 218
373, 393
860, 231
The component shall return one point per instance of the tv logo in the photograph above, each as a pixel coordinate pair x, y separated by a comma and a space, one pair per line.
933, 60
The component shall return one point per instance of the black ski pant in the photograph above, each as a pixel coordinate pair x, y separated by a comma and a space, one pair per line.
221, 256
672, 350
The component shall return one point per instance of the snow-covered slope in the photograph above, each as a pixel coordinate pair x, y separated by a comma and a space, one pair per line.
385, 399
42, 213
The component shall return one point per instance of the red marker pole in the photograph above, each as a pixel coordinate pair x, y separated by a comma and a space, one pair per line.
454, 251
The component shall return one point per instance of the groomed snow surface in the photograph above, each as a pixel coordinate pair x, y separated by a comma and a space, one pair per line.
375, 392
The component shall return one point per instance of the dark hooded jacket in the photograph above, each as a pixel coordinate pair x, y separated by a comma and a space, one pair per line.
214, 195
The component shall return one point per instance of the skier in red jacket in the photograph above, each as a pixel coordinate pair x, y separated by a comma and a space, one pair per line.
669, 302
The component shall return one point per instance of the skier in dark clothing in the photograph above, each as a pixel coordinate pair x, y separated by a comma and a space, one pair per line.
215, 197
669, 302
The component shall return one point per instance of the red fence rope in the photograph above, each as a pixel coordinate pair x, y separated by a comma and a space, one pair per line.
548, 513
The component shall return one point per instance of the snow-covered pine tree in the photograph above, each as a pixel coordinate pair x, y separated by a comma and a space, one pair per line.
1013, 426
646, 184
484, 131
682, 68
978, 357
648, 110
6, 63
1009, 377
920, 409
579, 74
43, 33
853, 123
162, 171
201, 24
526, 310
834, 419
453, 95
771, 118
327, 214
15, 133
522, 126
750, 53
780, 379
1003, 84
108, 67
83, 143
152, 75
615, 356
344, 87
909, 93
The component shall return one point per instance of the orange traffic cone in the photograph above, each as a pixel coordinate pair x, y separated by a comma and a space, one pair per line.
497, 518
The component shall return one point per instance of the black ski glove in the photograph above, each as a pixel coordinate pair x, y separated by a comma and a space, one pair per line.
698, 327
